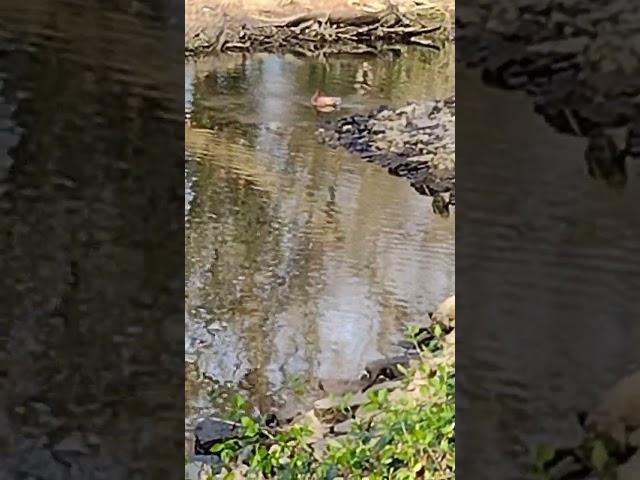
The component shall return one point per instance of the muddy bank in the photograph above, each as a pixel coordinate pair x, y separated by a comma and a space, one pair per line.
337, 27
386, 385
416, 142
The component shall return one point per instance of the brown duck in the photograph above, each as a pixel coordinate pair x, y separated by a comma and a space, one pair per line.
323, 102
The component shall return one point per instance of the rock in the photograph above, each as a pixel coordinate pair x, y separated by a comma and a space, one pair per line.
409, 110
618, 411
343, 427
390, 386
419, 136
450, 339
292, 408
198, 471
311, 421
386, 368
445, 314
333, 404
337, 387
211, 431
319, 449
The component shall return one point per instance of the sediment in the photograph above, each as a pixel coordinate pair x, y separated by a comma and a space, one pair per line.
416, 142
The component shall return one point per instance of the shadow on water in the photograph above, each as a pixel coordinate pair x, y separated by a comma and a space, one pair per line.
549, 323
302, 263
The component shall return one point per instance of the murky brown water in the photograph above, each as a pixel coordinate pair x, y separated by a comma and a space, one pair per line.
302, 263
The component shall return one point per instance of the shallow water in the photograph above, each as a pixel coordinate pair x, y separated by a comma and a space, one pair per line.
302, 263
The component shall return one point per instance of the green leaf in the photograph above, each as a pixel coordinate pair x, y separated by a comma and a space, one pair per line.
599, 456
218, 447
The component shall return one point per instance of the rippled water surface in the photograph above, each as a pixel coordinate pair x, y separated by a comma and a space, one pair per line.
539, 342
302, 263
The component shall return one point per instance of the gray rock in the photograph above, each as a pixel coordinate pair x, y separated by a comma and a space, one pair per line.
211, 431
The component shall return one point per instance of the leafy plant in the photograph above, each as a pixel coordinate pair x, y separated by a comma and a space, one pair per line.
406, 439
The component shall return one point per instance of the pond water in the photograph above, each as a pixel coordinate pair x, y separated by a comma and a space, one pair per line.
302, 263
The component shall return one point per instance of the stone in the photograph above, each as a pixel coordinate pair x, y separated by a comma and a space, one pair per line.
416, 133
619, 409
343, 427
387, 368
311, 421
445, 314
319, 449
332, 403
211, 431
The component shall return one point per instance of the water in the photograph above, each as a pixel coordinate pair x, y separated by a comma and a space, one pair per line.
302, 263
91, 277
545, 345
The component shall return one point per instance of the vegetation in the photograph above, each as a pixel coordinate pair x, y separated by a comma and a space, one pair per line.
405, 436
595, 455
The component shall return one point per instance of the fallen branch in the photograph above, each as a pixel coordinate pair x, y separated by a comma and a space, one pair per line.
351, 18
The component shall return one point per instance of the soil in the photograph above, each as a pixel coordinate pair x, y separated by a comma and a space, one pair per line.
312, 28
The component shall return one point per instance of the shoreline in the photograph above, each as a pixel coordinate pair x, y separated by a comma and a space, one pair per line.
333, 431
415, 142
326, 27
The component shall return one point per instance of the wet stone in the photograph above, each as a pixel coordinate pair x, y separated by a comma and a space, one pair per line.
415, 141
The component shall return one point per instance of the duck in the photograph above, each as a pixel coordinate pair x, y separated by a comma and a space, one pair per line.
325, 103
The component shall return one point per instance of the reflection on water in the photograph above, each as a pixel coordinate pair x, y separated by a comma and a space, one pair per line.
301, 262
566, 244
91, 284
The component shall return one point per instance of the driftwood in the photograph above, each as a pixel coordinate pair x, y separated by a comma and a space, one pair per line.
344, 17
320, 33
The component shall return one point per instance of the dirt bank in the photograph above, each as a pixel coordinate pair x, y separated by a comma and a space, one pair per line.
416, 142
321, 27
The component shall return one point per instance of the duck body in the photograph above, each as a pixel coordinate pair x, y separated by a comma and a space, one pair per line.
324, 102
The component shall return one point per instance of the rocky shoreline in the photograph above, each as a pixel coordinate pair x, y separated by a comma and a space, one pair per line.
580, 74
397, 379
416, 142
